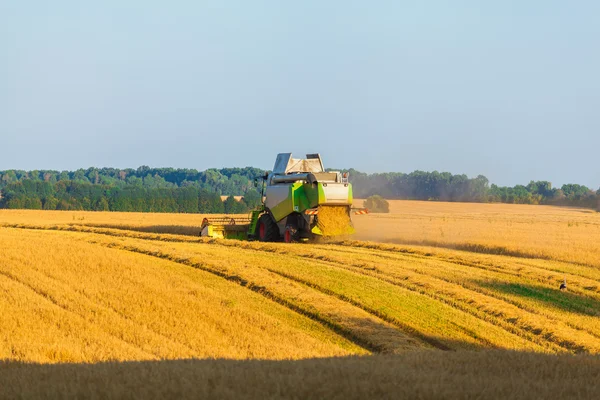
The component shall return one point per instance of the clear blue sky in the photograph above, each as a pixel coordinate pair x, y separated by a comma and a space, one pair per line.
508, 89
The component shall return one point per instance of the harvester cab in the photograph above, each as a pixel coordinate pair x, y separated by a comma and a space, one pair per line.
300, 201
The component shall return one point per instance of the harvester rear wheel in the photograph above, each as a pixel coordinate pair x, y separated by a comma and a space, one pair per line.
290, 235
268, 231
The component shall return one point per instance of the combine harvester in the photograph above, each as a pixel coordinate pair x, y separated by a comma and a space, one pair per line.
300, 202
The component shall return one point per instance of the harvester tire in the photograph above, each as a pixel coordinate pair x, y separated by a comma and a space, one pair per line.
290, 235
268, 231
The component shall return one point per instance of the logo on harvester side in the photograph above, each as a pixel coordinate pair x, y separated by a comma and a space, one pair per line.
296, 208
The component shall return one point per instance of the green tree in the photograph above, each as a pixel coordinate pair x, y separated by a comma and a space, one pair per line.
574, 191
14, 201
32, 203
50, 203
230, 205
252, 199
102, 205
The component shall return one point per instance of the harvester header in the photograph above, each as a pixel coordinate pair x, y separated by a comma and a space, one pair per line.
301, 200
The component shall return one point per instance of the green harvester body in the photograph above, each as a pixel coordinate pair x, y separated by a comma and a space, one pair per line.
292, 195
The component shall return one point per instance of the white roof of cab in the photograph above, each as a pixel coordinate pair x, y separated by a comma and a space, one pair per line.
285, 164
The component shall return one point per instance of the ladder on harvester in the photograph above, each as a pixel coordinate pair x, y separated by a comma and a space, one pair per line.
254, 214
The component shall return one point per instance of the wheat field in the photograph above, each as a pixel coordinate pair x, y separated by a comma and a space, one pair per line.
547, 232
95, 294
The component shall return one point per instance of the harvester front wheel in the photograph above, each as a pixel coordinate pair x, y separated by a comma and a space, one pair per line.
268, 231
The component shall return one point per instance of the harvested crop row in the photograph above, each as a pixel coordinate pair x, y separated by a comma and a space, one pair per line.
131, 306
567, 319
534, 321
457, 280
396, 305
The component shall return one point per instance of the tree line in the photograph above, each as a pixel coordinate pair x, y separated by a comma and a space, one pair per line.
143, 189
188, 190
72, 195
230, 181
444, 186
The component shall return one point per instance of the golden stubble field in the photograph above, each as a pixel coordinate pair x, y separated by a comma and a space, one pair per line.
418, 293
554, 233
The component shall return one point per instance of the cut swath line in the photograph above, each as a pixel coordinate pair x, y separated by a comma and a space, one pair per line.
259, 289
244, 246
47, 297
535, 274
427, 339
525, 332
352, 246
280, 251
392, 247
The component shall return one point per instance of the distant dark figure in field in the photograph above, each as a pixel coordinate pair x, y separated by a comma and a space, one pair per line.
563, 286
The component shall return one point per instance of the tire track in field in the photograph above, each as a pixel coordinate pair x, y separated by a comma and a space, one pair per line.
47, 297
167, 237
530, 333
449, 301
279, 250
587, 283
337, 328
382, 247
353, 246
536, 277
403, 327
584, 286
385, 317
257, 288
527, 332
452, 302
432, 341
469, 287
484, 249
537, 273
102, 305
